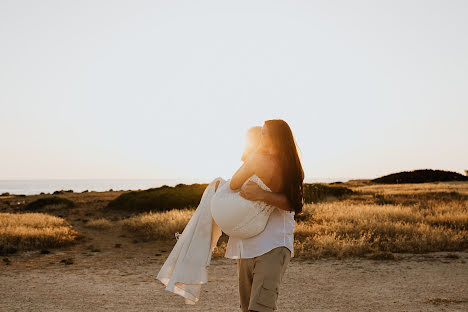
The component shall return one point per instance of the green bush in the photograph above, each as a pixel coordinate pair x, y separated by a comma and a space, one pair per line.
316, 192
160, 199
42, 203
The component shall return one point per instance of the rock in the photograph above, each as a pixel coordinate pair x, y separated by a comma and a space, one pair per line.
67, 261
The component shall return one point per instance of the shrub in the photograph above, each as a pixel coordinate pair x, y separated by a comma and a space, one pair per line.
50, 202
316, 192
160, 199
420, 176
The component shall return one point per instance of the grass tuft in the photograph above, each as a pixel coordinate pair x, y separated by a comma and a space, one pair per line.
27, 231
157, 225
99, 224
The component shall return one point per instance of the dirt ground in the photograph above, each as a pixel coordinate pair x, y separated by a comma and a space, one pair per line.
104, 277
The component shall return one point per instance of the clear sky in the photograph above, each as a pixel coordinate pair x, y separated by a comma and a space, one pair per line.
167, 89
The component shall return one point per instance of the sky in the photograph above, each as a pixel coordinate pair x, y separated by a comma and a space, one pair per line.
167, 89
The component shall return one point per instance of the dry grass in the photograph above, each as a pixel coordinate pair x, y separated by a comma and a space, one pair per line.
351, 227
344, 229
444, 301
100, 224
220, 250
413, 218
413, 188
35, 230
157, 225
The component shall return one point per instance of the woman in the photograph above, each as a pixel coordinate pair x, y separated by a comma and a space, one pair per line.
263, 258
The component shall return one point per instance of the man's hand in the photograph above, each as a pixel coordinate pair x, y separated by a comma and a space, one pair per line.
251, 191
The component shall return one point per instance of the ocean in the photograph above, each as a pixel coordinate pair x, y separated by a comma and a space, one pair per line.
30, 187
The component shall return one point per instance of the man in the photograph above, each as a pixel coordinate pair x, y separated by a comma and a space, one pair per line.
262, 259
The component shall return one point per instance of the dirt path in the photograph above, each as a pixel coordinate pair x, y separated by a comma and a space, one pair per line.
123, 279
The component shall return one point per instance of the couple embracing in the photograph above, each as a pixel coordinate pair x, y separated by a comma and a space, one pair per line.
257, 209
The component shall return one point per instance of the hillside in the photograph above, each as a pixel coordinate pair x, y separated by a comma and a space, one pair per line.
421, 176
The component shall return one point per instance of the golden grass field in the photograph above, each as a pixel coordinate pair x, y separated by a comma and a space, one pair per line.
384, 248
380, 220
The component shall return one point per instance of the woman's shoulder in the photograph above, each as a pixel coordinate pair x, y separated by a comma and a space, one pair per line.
268, 169
265, 157
267, 162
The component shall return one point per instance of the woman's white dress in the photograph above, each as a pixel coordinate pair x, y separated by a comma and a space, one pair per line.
237, 216
185, 269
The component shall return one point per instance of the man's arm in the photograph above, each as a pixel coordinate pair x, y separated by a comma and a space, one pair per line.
251, 191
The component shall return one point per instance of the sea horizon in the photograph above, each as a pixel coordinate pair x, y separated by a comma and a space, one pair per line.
38, 186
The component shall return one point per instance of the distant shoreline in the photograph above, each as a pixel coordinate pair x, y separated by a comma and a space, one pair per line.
49, 186
36, 187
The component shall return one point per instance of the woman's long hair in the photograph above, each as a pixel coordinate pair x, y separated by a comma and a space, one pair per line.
293, 175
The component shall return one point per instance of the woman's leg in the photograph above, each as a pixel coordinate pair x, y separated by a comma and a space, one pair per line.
215, 229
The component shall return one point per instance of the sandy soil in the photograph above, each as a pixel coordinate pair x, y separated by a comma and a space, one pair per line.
123, 279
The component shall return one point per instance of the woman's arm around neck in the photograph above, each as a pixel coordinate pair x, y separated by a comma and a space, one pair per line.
243, 173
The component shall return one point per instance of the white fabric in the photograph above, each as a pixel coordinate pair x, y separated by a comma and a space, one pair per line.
237, 216
279, 231
184, 270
